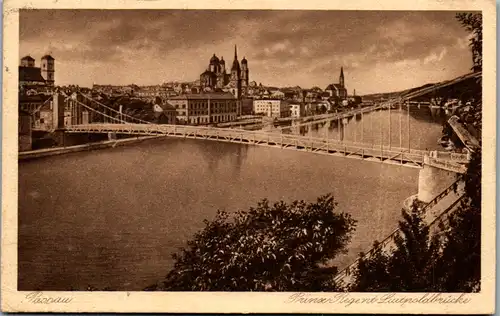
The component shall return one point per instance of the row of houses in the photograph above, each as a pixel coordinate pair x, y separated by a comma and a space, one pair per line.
293, 94
199, 108
282, 108
149, 92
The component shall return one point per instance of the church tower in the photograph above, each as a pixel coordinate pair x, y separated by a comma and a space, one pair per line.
221, 76
235, 79
244, 72
27, 61
235, 69
341, 78
48, 69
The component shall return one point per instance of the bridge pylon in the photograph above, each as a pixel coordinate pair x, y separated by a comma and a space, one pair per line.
58, 104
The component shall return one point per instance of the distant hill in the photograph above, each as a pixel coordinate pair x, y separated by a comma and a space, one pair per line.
389, 95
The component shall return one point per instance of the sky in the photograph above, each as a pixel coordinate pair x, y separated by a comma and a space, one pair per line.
380, 51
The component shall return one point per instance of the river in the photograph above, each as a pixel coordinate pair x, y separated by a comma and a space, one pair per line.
110, 219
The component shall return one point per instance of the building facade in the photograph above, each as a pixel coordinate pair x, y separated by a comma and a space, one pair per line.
297, 110
272, 108
164, 112
205, 108
246, 106
216, 77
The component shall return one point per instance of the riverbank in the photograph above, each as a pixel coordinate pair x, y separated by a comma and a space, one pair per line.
40, 153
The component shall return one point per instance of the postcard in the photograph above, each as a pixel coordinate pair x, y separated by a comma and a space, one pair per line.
249, 157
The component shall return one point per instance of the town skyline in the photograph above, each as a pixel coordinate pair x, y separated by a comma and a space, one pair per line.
377, 49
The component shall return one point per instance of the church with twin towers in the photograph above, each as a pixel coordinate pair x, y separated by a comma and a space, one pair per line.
216, 77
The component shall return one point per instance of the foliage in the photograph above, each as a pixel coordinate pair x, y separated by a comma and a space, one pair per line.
459, 266
279, 247
463, 238
372, 273
473, 23
410, 268
473, 180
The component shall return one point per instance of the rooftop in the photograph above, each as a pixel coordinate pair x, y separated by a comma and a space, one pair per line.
33, 98
203, 96
30, 74
333, 86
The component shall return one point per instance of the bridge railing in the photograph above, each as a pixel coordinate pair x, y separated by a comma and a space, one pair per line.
457, 157
284, 140
445, 164
388, 242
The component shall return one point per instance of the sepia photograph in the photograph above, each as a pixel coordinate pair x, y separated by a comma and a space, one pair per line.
232, 150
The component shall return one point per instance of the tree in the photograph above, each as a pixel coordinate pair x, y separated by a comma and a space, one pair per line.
409, 268
459, 266
473, 23
279, 247
463, 237
372, 273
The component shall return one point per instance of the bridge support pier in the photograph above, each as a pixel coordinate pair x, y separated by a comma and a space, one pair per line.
59, 137
432, 181
64, 139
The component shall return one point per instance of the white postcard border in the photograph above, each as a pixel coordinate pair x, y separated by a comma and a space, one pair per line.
238, 302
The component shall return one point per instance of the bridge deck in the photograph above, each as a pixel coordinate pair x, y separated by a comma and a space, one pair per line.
385, 154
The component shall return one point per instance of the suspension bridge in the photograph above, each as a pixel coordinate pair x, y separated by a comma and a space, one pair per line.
92, 116
79, 113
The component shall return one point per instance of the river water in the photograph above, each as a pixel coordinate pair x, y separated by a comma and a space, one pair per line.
110, 219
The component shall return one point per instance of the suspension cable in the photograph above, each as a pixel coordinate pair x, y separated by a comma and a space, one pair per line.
109, 108
99, 112
40, 107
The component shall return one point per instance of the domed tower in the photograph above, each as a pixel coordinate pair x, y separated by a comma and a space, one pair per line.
221, 76
244, 72
214, 64
48, 69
